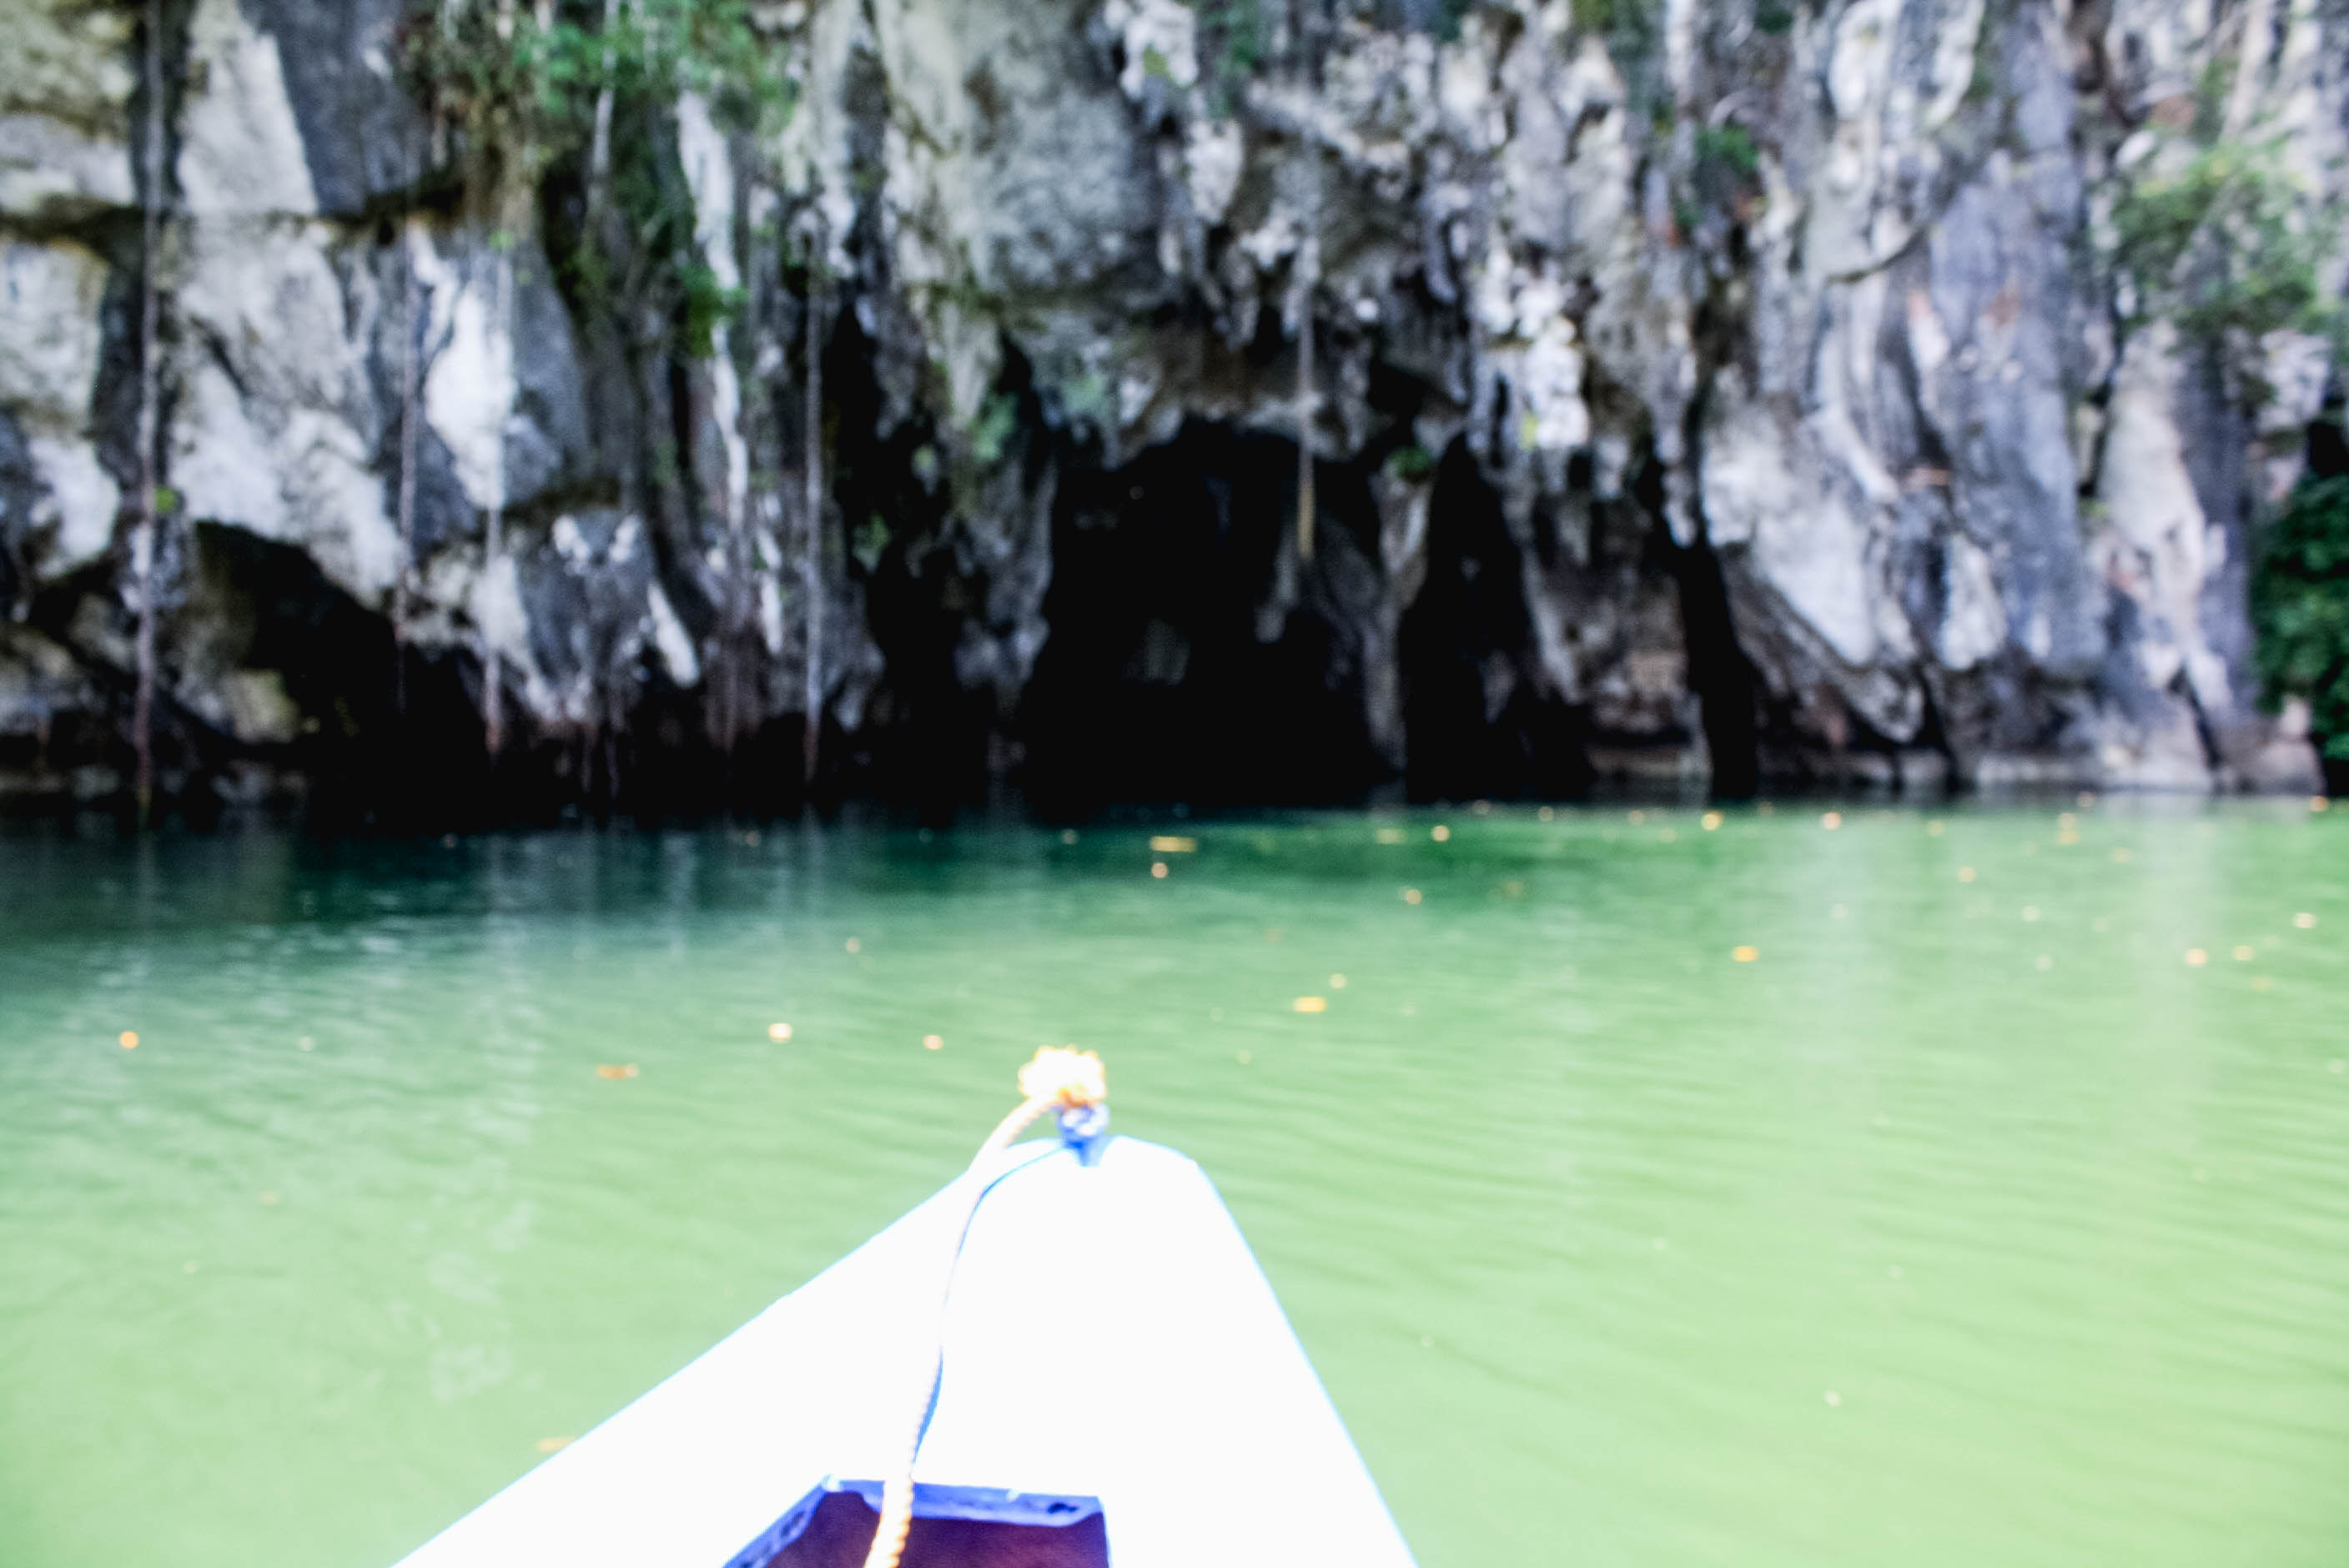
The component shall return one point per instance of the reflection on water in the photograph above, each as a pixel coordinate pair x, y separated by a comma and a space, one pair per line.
1993, 1208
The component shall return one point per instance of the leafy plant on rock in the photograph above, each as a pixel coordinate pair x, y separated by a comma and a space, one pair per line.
2299, 604
2226, 246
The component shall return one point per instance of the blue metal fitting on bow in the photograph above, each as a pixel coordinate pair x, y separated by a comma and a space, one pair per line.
1085, 1128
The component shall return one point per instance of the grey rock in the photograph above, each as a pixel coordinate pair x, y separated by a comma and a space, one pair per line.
1833, 310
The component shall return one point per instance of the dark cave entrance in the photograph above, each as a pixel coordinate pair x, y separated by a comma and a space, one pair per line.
370, 752
1480, 722
1189, 659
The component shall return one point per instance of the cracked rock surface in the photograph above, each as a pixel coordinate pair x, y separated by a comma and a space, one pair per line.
1703, 391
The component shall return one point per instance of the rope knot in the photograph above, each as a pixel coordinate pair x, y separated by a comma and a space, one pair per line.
1065, 1077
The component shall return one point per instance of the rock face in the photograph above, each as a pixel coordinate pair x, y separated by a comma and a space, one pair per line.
1701, 391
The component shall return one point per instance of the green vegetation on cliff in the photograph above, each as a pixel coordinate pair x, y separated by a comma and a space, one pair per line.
2227, 246
2300, 601
516, 94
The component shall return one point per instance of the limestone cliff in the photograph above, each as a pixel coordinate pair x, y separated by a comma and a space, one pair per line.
1702, 389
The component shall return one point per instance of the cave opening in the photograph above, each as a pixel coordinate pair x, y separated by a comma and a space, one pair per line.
922, 741
369, 754
1720, 675
1192, 658
1480, 722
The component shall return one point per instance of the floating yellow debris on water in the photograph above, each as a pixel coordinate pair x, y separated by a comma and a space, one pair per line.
1745, 955
2044, 963
1965, 873
1158, 869
306, 1043
1311, 1004
1169, 844
1831, 820
266, 1198
1834, 1400
1513, 888
552, 1445
1411, 895
2319, 803
128, 1040
2243, 953
1546, 814
2197, 957
2068, 836
1245, 1058
934, 1042
1936, 828
1637, 818
1767, 807
2066, 819
1272, 934
617, 1070
1067, 835
2261, 982
1837, 911
1711, 822
854, 945
779, 1033
2030, 911
2337, 1066
1337, 982
1390, 835
2120, 857
2304, 921
1440, 833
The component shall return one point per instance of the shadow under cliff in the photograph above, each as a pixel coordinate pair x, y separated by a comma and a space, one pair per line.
1192, 657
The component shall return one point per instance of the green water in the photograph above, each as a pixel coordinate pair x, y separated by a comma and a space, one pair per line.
1969, 1223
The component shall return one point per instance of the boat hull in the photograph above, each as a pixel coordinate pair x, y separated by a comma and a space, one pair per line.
1115, 1367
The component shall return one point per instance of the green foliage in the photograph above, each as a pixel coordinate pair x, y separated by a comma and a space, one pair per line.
1234, 48
1445, 21
516, 98
707, 304
869, 541
1412, 463
992, 434
1633, 31
1773, 18
509, 88
1724, 178
1728, 148
2299, 604
2226, 247
1593, 15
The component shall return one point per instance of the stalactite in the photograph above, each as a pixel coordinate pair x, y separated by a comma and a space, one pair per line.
811, 729
493, 699
146, 537
493, 703
599, 150
1308, 275
403, 579
1309, 257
